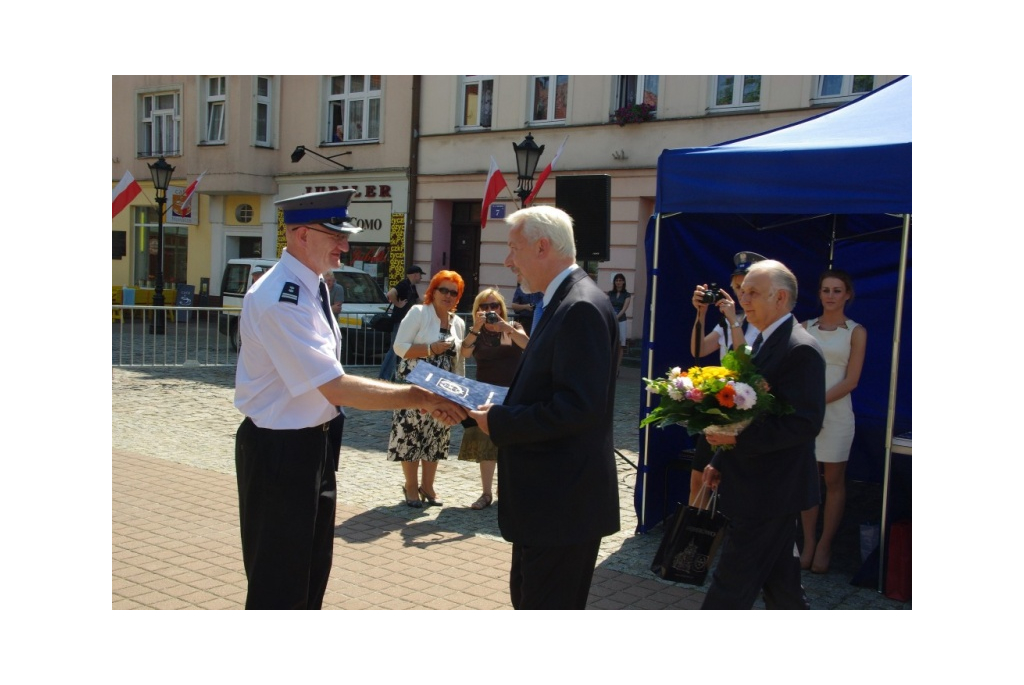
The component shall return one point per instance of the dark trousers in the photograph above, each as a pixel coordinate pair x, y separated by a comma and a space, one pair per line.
286, 501
552, 577
758, 555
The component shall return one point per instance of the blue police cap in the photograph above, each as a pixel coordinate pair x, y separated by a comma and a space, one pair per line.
328, 209
743, 260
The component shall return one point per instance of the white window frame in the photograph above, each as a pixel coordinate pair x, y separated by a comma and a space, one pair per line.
552, 97
263, 104
476, 109
738, 86
846, 90
353, 103
159, 126
214, 109
621, 94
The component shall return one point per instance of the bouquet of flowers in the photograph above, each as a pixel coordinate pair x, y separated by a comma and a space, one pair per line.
713, 399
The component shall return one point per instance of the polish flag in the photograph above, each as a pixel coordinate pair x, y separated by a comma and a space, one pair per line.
544, 174
125, 191
188, 191
493, 186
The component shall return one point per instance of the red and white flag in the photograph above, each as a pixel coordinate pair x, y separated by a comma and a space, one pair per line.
191, 189
544, 174
495, 182
125, 191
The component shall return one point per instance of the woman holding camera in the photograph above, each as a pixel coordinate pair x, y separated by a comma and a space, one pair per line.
730, 333
843, 342
430, 333
497, 346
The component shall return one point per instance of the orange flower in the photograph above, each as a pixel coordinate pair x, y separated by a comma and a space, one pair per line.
725, 396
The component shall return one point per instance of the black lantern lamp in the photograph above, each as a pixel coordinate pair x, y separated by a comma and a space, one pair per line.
527, 156
301, 150
161, 171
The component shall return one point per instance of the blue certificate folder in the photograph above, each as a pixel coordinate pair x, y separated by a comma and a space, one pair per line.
465, 391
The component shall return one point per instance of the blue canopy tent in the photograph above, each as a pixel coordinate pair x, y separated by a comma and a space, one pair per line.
834, 190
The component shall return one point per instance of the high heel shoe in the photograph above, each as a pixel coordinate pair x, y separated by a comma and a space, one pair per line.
430, 500
414, 503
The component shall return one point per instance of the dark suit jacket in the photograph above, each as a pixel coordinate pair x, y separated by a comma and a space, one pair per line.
557, 482
772, 470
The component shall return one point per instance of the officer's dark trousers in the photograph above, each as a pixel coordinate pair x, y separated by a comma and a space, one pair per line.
286, 499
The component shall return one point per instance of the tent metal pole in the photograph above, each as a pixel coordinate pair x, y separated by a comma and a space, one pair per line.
642, 472
890, 419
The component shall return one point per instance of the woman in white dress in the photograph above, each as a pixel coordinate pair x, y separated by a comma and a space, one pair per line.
843, 342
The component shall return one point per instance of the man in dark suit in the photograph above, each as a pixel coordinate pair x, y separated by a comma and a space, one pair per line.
558, 491
770, 475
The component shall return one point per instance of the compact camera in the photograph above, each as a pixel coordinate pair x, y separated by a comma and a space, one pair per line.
712, 294
491, 317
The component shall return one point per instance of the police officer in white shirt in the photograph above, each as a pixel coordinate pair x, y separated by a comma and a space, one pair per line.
290, 385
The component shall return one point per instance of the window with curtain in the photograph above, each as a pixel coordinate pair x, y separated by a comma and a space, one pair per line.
262, 124
477, 97
735, 92
353, 108
636, 90
549, 98
843, 87
159, 124
216, 100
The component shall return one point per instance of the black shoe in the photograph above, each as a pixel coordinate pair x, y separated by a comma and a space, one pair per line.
430, 500
414, 503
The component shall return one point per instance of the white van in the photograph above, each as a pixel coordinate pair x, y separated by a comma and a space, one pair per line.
363, 299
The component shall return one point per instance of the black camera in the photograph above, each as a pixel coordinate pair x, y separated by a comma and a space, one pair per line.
712, 294
491, 317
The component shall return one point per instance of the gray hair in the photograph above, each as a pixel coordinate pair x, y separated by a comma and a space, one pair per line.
544, 221
780, 276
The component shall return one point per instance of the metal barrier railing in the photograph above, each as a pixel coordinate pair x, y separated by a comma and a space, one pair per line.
193, 337
190, 338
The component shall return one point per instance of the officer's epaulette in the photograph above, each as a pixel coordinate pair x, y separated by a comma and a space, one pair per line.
289, 293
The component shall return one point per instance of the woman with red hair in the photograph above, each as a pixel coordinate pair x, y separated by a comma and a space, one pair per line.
430, 333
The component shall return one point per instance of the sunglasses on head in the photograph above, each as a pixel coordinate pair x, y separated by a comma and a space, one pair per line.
446, 291
493, 306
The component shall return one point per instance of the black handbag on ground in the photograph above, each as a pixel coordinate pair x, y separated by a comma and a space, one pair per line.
691, 540
383, 322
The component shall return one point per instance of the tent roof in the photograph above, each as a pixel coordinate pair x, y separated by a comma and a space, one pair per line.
855, 159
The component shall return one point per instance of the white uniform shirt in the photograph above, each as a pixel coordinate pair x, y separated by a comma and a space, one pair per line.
725, 341
289, 349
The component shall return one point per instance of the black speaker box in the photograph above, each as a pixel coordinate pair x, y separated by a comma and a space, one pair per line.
588, 200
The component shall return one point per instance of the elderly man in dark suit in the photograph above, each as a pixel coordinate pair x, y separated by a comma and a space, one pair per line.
770, 475
557, 484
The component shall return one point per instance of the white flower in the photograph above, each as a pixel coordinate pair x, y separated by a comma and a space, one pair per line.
674, 373
675, 393
745, 397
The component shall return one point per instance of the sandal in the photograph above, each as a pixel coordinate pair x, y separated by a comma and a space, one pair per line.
482, 503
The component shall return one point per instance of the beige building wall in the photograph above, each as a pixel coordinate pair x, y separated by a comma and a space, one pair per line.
439, 169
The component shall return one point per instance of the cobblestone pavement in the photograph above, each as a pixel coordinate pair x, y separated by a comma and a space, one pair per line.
182, 420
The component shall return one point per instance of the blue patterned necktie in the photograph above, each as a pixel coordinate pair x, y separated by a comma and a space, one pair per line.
757, 345
538, 311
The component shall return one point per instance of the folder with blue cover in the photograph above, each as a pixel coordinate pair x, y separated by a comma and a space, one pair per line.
465, 391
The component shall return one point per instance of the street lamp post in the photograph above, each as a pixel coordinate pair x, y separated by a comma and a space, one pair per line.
161, 171
527, 156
